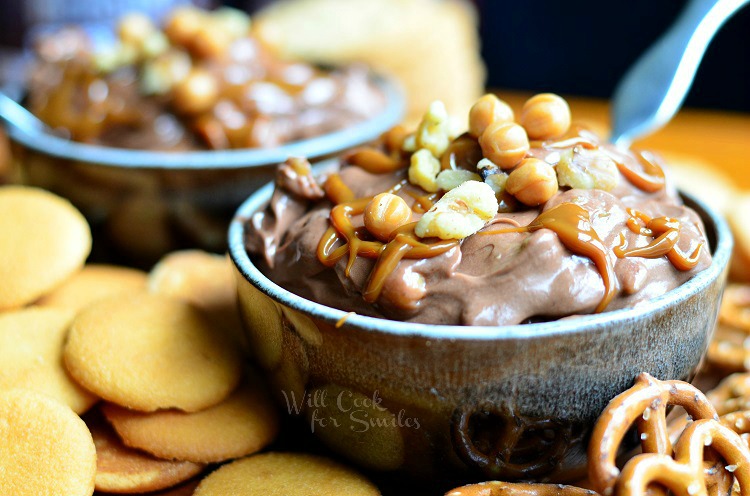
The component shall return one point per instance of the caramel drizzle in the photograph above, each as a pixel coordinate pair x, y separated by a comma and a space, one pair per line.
337, 191
572, 225
650, 179
666, 231
569, 143
422, 203
404, 243
374, 161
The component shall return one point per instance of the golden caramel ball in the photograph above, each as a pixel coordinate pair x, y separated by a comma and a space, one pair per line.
211, 42
384, 214
487, 110
135, 28
545, 116
504, 143
393, 139
183, 24
533, 182
197, 93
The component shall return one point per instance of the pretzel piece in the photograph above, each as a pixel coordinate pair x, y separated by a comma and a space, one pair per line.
739, 422
645, 404
498, 488
731, 394
735, 307
730, 349
684, 474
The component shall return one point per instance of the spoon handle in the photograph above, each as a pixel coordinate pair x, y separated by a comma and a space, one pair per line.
654, 88
17, 117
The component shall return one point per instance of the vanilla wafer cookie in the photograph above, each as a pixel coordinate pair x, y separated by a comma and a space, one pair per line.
46, 448
240, 425
287, 474
45, 240
149, 352
120, 469
31, 344
92, 283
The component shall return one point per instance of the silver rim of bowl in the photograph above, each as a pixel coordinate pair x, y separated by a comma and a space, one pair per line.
318, 146
721, 253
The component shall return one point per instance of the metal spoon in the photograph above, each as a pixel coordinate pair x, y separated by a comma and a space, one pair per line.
16, 115
653, 89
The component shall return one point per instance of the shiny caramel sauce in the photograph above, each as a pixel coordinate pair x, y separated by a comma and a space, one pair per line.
569, 221
422, 203
99, 105
572, 225
374, 161
650, 179
666, 234
463, 153
568, 143
336, 190
343, 238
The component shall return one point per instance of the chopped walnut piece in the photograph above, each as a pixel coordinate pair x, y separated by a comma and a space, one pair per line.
461, 212
586, 169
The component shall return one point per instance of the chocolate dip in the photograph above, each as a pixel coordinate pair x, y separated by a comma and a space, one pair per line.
215, 87
495, 276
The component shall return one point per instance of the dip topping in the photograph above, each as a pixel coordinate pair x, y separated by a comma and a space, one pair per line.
405, 213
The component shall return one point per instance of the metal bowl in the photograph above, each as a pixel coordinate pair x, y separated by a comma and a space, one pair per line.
143, 204
508, 402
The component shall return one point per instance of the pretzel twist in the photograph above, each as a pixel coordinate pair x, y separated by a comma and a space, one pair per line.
644, 404
738, 421
684, 474
498, 488
730, 349
735, 307
731, 394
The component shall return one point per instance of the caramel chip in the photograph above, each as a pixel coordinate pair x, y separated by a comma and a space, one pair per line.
148, 352
120, 469
93, 283
44, 241
31, 344
287, 474
46, 448
240, 425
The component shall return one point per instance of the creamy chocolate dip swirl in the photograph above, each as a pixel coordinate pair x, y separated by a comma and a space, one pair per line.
581, 251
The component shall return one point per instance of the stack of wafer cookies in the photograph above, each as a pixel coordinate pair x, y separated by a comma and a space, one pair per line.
430, 46
115, 380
